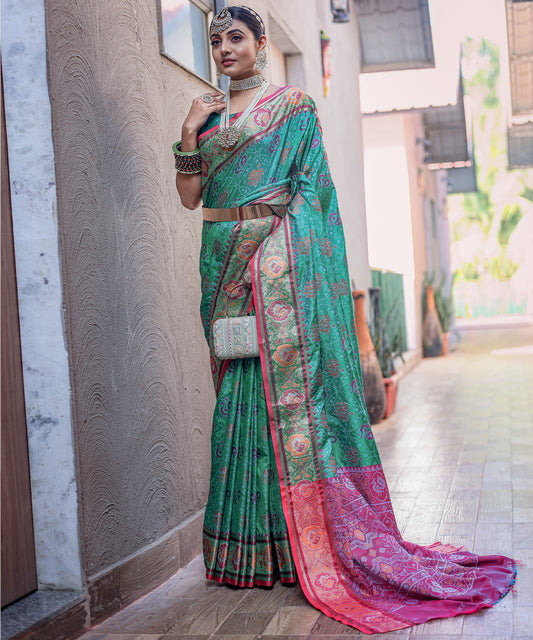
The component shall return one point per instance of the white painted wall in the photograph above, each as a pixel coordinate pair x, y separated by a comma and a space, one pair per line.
44, 356
388, 206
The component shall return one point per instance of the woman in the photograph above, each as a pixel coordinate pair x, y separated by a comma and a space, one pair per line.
297, 489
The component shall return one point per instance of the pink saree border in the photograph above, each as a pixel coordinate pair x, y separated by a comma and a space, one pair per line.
263, 341
320, 482
387, 622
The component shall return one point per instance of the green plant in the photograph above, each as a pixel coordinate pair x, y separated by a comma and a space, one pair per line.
503, 268
488, 66
457, 232
511, 216
468, 271
429, 280
443, 302
385, 336
478, 209
527, 193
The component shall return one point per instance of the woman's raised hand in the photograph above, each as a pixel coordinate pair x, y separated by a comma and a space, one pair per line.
190, 186
202, 107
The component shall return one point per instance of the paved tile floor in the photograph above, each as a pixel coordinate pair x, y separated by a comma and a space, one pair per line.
458, 455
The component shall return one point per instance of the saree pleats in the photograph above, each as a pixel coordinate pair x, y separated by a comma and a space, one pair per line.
295, 418
246, 542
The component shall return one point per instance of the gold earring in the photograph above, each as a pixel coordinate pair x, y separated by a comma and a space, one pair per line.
219, 74
261, 61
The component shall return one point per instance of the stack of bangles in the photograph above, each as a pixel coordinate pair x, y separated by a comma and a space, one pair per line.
187, 162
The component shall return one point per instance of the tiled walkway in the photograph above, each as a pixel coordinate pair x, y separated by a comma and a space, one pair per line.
458, 455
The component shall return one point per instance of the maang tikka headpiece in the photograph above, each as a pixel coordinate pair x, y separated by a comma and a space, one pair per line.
222, 21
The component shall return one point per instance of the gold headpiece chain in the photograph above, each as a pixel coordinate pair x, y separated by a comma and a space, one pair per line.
256, 16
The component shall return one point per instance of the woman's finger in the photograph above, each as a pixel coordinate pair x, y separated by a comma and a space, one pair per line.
209, 98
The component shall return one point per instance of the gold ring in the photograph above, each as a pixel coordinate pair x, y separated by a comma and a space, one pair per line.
207, 98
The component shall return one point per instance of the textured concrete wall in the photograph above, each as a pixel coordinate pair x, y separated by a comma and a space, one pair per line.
44, 356
141, 386
141, 383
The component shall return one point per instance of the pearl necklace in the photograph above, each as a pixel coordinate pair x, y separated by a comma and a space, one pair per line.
251, 82
229, 135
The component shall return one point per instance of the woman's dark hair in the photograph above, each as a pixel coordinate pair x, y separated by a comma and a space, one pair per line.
250, 19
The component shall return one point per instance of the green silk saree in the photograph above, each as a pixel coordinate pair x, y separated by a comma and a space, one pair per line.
297, 488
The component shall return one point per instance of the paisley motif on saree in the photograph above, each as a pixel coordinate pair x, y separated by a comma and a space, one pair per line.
351, 560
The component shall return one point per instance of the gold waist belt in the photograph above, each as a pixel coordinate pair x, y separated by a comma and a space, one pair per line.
238, 213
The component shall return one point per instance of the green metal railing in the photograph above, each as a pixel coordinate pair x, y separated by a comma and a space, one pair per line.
392, 303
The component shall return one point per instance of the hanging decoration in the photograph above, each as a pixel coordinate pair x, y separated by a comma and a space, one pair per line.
340, 10
326, 61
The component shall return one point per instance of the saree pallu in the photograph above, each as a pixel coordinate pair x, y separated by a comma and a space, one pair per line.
338, 531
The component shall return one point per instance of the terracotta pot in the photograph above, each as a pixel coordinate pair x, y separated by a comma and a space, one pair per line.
373, 387
445, 342
431, 329
391, 391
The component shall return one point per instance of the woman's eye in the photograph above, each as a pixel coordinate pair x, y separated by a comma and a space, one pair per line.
236, 38
214, 42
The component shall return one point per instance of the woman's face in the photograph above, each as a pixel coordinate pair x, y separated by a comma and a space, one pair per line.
234, 50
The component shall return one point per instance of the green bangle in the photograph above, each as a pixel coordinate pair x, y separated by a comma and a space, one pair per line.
176, 148
187, 162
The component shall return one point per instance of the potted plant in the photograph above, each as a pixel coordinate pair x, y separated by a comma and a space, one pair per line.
444, 306
438, 312
373, 387
431, 329
388, 345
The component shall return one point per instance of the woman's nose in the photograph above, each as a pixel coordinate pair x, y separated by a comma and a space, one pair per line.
226, 46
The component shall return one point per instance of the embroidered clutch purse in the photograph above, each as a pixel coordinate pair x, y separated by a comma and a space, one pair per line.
235, 338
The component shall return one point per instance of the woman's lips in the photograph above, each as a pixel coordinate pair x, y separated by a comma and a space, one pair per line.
227, 63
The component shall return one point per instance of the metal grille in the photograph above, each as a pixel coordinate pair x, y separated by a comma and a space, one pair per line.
520, 36
392, 303
394, 34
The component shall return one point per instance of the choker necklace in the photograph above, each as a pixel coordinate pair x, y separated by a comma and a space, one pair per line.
246, 83
229, 135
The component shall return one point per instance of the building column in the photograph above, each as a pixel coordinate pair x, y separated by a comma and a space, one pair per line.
44, 353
